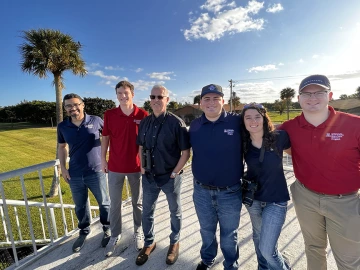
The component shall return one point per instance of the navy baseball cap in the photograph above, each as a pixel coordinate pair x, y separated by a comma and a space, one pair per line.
321, 80
212, 88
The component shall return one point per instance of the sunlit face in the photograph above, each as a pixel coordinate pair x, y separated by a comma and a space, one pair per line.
212, 105
314, 104
254, 121
124, 95
159, 105
74, 108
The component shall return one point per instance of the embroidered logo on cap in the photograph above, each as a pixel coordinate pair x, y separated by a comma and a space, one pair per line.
212, 87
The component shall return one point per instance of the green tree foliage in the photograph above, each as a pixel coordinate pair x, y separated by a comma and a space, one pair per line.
50, 51
357, 93
235, 101
98, 106
172, 106
279, 105
287, 94
147, 106
344, 96
197, 99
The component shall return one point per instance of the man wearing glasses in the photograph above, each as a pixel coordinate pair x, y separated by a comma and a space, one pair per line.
81, 132
325, 148
217, 167
164, 150
120, 131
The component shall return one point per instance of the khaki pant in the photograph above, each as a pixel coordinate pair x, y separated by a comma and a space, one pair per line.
335, 217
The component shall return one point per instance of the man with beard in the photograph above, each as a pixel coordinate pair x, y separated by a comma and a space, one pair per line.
81, 132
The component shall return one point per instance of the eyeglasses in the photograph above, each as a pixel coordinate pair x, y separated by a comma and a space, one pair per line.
158, 97
70, 106
318, 94
254, 105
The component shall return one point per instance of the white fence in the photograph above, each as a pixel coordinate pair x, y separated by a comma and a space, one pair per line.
46, 212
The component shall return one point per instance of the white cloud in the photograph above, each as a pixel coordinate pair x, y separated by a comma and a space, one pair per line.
301, 61
257, 92
160, 75
315, 56
93, 66
138, 70
114, 68
145, 85
280, 64
217, 5
262, 68
101, 74
230, 21
275, 8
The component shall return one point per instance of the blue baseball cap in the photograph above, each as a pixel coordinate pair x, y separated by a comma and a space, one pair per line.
321, 80
212, 88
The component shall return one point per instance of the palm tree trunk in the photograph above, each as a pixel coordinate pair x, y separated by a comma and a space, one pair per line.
54, 189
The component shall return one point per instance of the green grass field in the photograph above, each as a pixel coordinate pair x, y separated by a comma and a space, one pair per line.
23, 145
276, 118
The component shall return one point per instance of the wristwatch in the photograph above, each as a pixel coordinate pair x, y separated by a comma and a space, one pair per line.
173, 174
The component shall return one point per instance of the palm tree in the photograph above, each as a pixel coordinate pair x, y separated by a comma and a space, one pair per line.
47, 50
287, 94
235, 101
50, 51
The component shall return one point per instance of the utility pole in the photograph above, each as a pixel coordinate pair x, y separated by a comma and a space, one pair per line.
231, 95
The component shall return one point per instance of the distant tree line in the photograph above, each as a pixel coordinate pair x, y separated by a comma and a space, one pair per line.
44, 112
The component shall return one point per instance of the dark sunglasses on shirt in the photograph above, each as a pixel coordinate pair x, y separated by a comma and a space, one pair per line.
158, 97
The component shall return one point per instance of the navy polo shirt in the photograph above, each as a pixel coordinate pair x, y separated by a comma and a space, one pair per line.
217, 153
272, 185
84, 144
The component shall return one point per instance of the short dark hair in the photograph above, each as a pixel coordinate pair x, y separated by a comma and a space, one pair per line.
72, 95
125, 84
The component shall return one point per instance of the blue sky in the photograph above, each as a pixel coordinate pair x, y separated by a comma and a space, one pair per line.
264, 46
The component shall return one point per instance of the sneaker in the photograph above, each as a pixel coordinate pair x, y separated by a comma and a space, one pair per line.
202, 266
106, 238
113, 243
139, 240
79, 243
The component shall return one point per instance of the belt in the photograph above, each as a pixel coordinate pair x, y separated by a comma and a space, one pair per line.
336, 195
210, 187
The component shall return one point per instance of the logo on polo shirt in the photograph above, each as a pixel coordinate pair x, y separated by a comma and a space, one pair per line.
89, 126
335, 136
229, 131
137, 121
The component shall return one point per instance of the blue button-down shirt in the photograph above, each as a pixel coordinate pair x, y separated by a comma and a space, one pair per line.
84, 144
217, 151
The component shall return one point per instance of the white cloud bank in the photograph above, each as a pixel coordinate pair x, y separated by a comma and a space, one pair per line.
262, 68
161, 75
227, 19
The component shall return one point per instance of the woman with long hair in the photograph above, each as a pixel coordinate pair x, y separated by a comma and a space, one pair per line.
263, 154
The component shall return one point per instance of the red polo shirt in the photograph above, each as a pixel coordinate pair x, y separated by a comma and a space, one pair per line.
123, 130
326, 158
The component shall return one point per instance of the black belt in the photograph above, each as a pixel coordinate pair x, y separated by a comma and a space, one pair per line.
337, 195
210, 187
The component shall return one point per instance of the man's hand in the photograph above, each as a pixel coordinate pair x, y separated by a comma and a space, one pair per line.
104, 166
142, 170
65, 174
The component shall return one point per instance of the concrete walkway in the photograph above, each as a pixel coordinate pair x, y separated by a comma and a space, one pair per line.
92, 256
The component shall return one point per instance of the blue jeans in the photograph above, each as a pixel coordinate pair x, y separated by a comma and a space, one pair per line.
150, 196
223, 207
79, 186
267, 220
